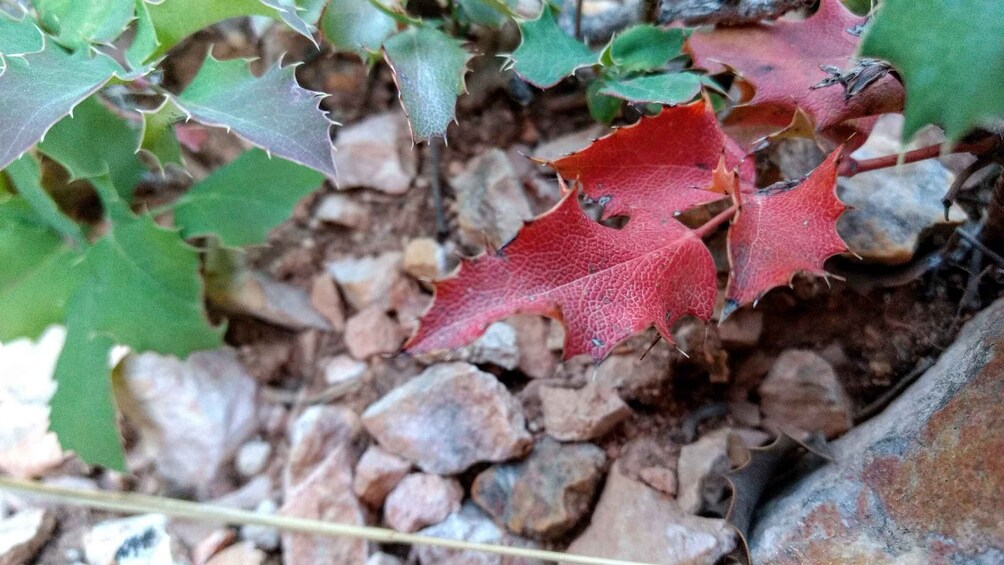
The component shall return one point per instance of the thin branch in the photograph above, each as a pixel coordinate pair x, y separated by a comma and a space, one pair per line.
713, 223
850, 167
133, 503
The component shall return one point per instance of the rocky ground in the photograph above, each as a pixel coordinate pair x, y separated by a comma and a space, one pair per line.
311, 412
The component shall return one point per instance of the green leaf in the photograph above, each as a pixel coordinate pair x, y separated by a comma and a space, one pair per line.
546, 54
486, 12
175, 20
289, 13
602, 108
144, 42
83, 414
76, 144
27, 178
644, 48
37, 277
39, 89
951, 58
272, 112
429, 68
158, 138
310, 10
356, 25
78, 23
241, 202
147, 292
669, 89
19, 37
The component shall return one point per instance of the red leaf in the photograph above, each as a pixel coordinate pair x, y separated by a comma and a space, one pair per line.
781, 61
604, 284
658, 167
781, 232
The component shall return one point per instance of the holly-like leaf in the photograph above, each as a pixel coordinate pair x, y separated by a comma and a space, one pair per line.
356, 25
144, 42
667, 88
73, 143
657, 168
951, 58
39, 89
174, 20
241, 202
781, 231
644, 48
429, 68
546, 54
158, 139
83, 412
27, 179
272, 111
602, 108
781, 62
37, 277
604, 284
78, 23
18, 37
145, 283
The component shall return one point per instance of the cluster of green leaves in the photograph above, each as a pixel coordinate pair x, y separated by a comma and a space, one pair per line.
127, 279
632, 67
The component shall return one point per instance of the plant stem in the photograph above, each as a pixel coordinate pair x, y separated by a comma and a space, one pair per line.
712, 224
133, 503
850, 167
578, 20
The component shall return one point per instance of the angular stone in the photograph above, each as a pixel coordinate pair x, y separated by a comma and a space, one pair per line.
260, 296
545, 495
263, 537
139, 539
325, 299
344, 370
191, 415
892, 207
637, 523
801, 391
491, 203
243, 553
376, 153
636, 377
23, 534
558, 147
922, 482
498, 346
448, 418
377, 473
367, 280
425, 258
318, 485
420, 500
535, 359
701, 471
343, 210
372, 332
252, 457
27, 447
470, 524
583, 414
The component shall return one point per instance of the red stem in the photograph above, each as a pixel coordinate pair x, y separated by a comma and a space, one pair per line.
711, 225
850, 167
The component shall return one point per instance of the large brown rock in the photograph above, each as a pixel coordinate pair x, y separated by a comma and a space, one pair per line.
545, 495
581, 414
491, 202
802, 392
923, 482
637, 523
449, 418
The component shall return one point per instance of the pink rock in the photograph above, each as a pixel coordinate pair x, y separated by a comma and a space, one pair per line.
342, 210
376, 153
367, 280
448, 418
420, 500
325, 299
583, 414
372, 332
377, 473
425, 258
535, 359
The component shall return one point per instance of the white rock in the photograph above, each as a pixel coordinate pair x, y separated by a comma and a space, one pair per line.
381, 558
191, 415
139, 540
470, 524
420, 500
342, 210
262, 536
376, 153
343, 369
252, 457
498, 346
367, 280
23, 534
27, 448
491, 202
238, 554
701, 471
